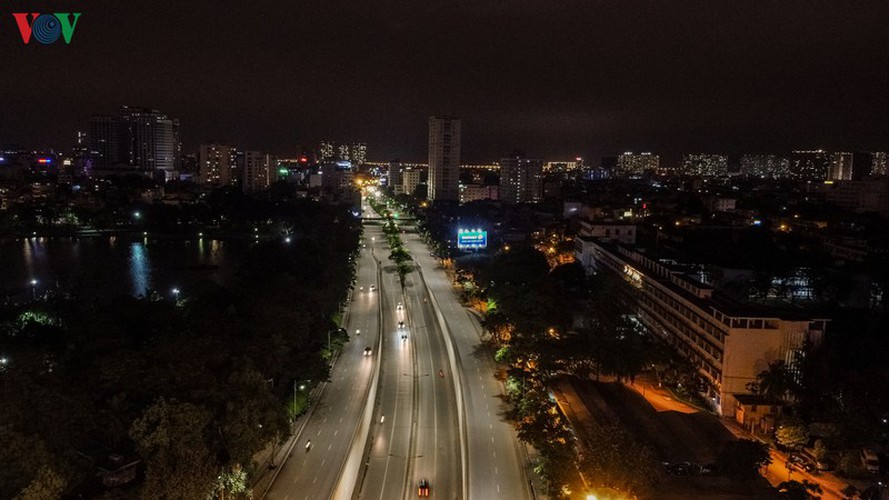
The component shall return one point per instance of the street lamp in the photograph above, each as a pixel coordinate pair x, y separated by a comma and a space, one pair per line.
137, 215
176, 294
33, 289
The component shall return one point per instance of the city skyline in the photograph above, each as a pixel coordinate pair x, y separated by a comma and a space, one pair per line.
595, 80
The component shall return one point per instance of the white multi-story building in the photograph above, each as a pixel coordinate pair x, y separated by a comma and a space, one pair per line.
444, 158
410, 179
729, 343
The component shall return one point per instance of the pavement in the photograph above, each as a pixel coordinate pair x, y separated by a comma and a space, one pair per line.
679, 431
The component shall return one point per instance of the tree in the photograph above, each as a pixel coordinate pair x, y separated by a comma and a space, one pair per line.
795, 490
776, 381
617, 460
820, 450
741, 459
47, 484
792, 434
170, 437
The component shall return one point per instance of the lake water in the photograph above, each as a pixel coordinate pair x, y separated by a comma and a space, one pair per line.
103, 267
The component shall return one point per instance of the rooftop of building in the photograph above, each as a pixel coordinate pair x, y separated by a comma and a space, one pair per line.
679, 278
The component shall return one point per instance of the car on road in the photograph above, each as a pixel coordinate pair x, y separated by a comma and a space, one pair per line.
423, 488
679, 469
401, 325
399, 306
372, 288
800, 462
368, 351
709, 470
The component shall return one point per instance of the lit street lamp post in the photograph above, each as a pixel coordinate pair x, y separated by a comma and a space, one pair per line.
176, 294
34, 290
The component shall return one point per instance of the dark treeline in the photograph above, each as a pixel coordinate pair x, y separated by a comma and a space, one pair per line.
193, 387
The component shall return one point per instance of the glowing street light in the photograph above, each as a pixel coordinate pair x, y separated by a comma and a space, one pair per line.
176, 294
33, 289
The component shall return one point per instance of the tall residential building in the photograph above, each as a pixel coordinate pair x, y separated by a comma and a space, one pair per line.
141, 138
635, 164
105, 142
841, 167
810, 165
521, 180
444, 158
258, 171
765, 166
343, 152
358, 154
879, 164
326, 151
395, 177
410, 179
217, 163
704, 165
862, 165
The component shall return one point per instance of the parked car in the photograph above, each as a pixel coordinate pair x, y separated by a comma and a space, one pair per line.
870, 461
801, 462
709, 470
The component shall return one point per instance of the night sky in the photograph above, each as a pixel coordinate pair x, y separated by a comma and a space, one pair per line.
553, 78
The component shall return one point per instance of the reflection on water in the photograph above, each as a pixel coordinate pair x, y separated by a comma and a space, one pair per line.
139, 269
105, 267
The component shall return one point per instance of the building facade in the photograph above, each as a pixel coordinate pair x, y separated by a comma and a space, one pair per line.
410, 179
258, 171
729, 343
395, 177
137, 138
704, 165
635, 164
810, 165
521, 180
218, 164
444, 158
765, 166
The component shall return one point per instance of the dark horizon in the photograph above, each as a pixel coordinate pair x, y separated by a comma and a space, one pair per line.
582, 78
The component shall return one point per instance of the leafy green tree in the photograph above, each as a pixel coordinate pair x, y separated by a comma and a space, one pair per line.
819, 451
776, 381
792, 433
171, 438
741, 459
47, 485
615, 459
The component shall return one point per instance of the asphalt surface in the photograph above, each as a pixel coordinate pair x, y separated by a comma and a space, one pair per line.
314, 473
424, 407
495, 465
418, 437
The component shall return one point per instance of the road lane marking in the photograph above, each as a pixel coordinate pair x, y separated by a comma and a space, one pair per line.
336, 432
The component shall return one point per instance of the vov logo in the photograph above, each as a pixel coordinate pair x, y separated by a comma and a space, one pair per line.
46, 28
